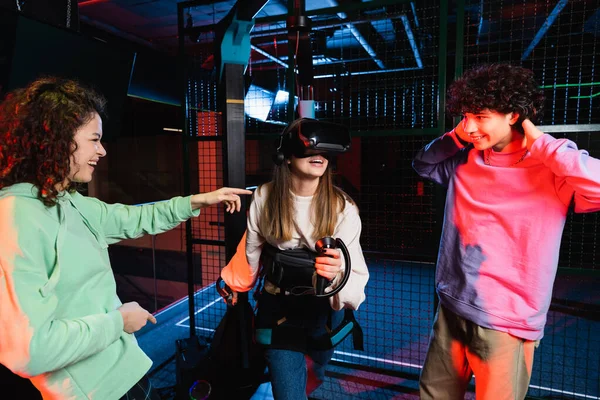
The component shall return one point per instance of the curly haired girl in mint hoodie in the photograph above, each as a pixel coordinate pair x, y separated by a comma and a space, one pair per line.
61, 322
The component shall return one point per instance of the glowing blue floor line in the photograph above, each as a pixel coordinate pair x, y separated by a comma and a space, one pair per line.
215, 301
585, 396
383, 360
197, 328
178, 302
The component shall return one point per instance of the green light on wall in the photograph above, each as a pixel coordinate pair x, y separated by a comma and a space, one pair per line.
568, 85
565, 85
585, 97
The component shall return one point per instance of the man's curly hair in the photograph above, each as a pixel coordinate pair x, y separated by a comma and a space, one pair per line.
37, 128
503, 88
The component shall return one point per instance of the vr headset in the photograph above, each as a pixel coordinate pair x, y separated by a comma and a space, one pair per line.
306, 136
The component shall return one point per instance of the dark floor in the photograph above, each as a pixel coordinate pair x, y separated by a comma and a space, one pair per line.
396, 319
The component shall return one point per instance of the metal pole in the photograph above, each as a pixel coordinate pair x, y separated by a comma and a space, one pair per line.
154, 272
186, 166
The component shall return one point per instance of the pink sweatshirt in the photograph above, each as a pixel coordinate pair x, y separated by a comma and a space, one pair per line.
503, 225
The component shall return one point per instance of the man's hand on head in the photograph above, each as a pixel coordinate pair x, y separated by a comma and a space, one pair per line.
459, 130
532, 133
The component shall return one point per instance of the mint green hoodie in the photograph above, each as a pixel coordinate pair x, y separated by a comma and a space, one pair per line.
59, 323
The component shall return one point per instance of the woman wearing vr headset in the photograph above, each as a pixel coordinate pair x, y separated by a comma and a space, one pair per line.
293, 211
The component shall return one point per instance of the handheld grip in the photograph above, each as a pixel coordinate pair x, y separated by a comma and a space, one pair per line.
321, 245
224, 291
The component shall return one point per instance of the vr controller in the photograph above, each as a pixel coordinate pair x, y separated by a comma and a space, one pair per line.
293, 271
322, 245
321, 282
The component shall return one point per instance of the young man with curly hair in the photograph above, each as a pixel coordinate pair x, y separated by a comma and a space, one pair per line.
62, 324
509, 189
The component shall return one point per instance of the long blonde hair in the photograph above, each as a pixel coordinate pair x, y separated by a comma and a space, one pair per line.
276, 221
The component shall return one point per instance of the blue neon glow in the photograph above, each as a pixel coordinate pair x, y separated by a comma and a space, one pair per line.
411, 40
258, 102
282, 97
545, 27
385, 28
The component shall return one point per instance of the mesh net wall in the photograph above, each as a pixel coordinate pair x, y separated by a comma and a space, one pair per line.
378, 70
556, 39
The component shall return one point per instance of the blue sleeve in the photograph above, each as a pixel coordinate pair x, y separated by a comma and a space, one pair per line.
438, 160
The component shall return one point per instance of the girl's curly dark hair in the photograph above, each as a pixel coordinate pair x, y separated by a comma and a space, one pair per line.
503, 88
37, 126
